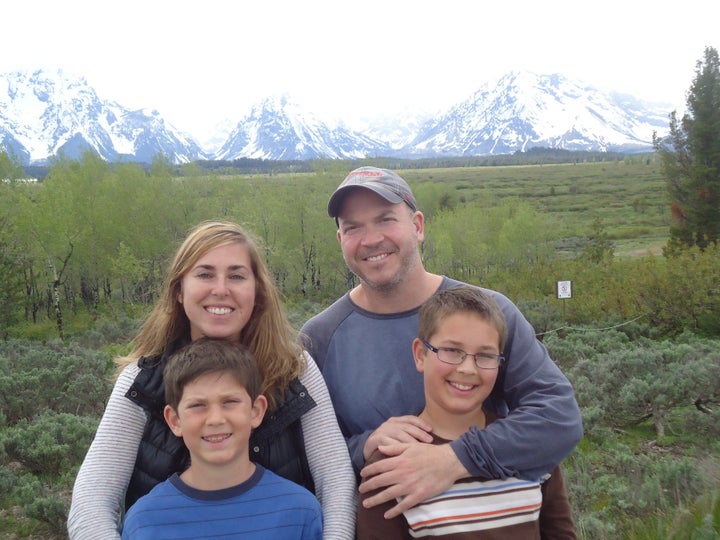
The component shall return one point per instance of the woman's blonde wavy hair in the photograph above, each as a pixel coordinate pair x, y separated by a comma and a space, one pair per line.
268, 334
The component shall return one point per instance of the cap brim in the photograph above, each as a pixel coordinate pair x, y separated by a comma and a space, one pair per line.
337, 198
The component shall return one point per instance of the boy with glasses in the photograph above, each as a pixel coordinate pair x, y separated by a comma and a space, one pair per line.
459, 348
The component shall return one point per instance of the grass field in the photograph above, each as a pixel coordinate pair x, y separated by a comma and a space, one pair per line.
628, 196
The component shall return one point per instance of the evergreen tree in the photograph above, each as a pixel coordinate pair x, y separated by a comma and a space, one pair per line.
599, 247
690, 157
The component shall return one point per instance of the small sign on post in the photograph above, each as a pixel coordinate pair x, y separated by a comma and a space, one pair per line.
564, 289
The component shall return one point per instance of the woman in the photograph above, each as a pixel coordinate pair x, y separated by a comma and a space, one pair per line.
217, 286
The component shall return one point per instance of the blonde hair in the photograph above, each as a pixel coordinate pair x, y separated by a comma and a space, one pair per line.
268, 334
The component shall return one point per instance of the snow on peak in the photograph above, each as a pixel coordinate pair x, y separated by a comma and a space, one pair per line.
45, 113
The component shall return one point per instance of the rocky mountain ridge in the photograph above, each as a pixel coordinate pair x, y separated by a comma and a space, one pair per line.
48, 114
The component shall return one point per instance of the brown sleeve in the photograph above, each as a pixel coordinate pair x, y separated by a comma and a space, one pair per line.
371, 525
556, 521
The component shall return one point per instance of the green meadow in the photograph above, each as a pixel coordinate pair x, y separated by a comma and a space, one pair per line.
628, 196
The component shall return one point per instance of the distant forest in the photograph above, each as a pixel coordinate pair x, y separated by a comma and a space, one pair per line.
533, 156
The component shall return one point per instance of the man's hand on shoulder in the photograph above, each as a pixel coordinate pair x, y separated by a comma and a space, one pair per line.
412, 472
398, 429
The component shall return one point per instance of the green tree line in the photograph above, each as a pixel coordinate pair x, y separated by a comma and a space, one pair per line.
92, 239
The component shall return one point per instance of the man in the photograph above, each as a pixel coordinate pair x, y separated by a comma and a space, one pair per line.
363, 345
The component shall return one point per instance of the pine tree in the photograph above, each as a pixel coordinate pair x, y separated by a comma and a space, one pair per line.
690, 159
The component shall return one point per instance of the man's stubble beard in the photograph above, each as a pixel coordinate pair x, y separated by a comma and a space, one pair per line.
406, 266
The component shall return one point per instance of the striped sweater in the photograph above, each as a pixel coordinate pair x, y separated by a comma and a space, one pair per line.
477, 509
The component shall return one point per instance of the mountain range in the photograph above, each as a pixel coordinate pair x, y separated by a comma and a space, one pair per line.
45, 114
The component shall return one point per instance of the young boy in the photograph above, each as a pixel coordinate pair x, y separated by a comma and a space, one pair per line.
461, 337
213, 403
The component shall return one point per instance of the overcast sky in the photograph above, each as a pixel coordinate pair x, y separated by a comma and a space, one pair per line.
200, 62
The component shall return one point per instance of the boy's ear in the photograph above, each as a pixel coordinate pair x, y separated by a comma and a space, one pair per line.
172, 420
259, 408
419, 351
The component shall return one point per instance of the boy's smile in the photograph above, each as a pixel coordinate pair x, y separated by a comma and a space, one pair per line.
215, 417
454, 394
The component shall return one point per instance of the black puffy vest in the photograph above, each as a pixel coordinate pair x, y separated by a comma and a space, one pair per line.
277, 444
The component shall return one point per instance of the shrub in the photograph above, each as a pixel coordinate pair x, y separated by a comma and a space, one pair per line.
36, 376
40, 501
645, 379
8, 482
50, 444
120, 329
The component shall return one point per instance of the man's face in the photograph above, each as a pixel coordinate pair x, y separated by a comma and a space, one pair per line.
379, 240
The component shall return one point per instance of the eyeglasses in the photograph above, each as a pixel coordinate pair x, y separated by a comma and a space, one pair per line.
457, 357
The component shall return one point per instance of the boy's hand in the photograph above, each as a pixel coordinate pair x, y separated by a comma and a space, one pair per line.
412, 472
398, 429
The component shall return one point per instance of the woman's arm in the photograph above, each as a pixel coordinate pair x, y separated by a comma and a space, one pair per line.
328, 459
100, 485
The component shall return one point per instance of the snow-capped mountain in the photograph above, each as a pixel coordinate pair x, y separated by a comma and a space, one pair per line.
396, 131
278, 129
47, 114
524, 110
43, 115
520, 111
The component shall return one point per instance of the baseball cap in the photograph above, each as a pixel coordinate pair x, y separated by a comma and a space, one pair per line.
385, 183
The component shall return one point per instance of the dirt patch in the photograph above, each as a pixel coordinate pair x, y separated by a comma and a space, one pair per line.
655, 251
